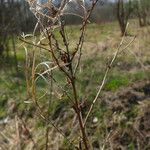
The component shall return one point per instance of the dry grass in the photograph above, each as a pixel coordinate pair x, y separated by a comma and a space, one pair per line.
92, 67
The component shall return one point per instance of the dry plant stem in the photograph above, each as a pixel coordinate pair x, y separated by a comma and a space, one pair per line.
94, 2
79, 115
33, 84
132, 53
38, 106
27, 74
65, 41
78, 48
50, 36
72, 74
48, 114
105, 77
34, 97
38, 46
106, 140
72, 80
85, 21
81, 38
77, 107
68, 69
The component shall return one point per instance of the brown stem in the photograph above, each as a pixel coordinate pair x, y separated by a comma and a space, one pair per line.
78, 112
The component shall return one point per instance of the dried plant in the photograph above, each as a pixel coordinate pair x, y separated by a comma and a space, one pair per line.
63, 59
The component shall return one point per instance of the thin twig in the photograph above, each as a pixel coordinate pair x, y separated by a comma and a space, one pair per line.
38, 46
81, 38
106, 74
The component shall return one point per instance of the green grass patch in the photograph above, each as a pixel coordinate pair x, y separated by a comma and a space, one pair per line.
117, 81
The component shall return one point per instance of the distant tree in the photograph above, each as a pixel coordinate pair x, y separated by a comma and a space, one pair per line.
15, 17
124, 10
143, 11
104, 12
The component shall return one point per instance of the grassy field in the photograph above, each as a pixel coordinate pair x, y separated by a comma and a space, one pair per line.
119, 111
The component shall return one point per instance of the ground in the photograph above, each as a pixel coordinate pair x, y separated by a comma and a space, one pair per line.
121, 118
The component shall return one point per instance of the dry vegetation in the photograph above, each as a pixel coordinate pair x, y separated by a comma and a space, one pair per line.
76, 87
120, 119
